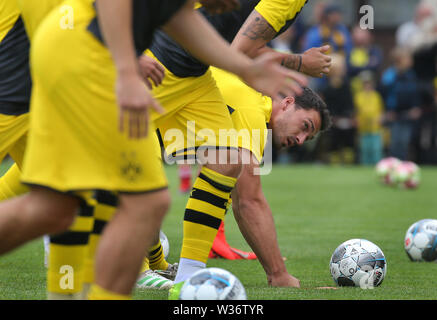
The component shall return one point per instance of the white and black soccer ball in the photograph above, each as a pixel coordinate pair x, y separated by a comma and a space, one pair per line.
421, 241
212, 284
384, 169
164, 243
358, 263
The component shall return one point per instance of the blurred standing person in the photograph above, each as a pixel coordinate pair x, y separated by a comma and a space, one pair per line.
423, 44
184, 172
365, 55
330, 31
401, 94
339, 141
369, 108
297, 30
408, 30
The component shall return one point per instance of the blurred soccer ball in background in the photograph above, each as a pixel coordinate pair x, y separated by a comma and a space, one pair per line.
384, 169
421, 241
212, 284
406, 175
358, 263
164, 243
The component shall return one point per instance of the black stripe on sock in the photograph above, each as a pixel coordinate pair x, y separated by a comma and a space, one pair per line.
70, 238
209, 197
85, 210
154, 252
215, 184
202, 218
106, 197
154, 260
98, 226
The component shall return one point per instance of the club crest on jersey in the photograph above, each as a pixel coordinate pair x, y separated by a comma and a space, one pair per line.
130, 169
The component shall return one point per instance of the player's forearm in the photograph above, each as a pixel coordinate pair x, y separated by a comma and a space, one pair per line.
253, 36
256, 223
291, 61
197, 36
115, 20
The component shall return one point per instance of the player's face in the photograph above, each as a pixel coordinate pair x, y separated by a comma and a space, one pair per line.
293, 125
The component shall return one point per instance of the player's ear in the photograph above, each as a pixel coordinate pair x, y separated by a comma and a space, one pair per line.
288, 102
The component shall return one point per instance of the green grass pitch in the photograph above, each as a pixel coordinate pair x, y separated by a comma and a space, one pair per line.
315, 209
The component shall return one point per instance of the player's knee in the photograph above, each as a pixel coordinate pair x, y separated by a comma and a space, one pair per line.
53, 214
151, 205
161, 204
229, 170
233, 170
59, 218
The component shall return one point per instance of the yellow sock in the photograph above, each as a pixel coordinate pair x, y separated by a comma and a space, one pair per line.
88, 273
156, 257
65, 272
10, 185
105, 205
98, 293
204, 212
145, 265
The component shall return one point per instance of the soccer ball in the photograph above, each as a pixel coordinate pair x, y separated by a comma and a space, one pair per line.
164, 243
358, 263
421, 241
384, 169
212, 284
406, 175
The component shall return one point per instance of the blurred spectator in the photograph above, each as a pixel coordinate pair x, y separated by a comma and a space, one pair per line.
420, 36
369, 108
339, 142
425, 139
426, 34
365, 55
408, 30
330, 30
297, 30
402, 101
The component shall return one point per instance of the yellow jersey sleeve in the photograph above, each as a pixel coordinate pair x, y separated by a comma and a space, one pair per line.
278, 12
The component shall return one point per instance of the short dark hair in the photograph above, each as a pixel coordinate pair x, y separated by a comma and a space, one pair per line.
310, 100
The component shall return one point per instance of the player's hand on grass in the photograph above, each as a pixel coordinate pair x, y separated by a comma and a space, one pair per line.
151, 70
315, 62
267, 76
284, 280
220, 6
134, 101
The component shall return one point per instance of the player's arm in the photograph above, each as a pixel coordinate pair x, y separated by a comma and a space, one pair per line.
115, 19
195, 34
220, 6
256, 32
314, 62
256, 223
